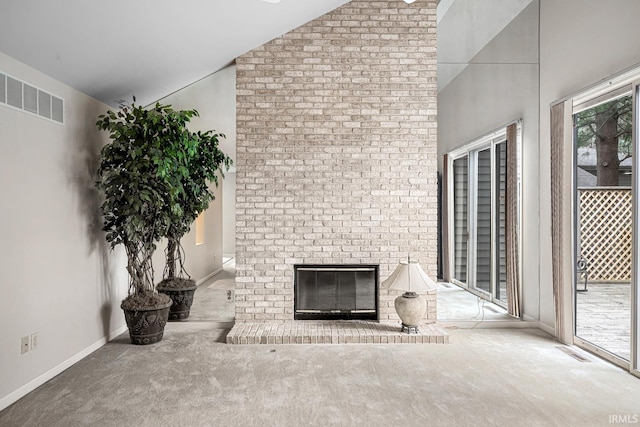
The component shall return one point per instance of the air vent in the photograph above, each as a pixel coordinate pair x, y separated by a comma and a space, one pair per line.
44, 104
14, 92
571, 352
57, 109
23, 96
30, 97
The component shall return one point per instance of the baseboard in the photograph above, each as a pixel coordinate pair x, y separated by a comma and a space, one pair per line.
200, 325
208, 276
51, 373
548, 329
115, 334
493, 324
488, 324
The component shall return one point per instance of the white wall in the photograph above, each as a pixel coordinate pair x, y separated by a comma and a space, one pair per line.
581, 43
499, 85
58, 276
214, 98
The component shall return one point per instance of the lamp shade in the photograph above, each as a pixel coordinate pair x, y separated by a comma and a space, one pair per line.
409, 277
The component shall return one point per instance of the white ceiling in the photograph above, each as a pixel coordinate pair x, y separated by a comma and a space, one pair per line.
467, 26
114, 49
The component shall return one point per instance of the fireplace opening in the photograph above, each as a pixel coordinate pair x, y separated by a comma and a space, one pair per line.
336, 292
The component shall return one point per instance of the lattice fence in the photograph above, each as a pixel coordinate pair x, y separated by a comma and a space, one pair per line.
606, 233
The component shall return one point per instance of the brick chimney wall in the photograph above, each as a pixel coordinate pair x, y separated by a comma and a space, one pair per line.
336, 152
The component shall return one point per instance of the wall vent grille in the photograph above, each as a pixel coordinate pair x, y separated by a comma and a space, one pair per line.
30, 98
14, 92
23, 96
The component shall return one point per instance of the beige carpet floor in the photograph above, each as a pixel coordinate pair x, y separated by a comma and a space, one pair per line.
490, 377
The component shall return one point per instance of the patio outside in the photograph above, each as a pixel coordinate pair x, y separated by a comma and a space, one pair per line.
603, 317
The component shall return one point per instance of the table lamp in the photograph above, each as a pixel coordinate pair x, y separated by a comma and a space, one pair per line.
410, 306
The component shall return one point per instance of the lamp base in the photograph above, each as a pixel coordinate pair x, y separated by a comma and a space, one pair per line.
410, 329
410, 308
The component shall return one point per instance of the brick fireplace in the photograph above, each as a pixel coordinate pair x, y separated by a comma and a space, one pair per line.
330, 292
336, 152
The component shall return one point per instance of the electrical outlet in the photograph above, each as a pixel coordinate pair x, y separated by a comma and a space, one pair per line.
34, 340
24, 345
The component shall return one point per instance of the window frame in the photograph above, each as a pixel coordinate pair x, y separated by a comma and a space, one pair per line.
471, 150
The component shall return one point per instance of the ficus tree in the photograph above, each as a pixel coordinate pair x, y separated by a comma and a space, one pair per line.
141, 172
204, 165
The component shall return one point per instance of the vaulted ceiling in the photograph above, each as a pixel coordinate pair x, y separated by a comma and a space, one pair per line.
467, 26
114, 49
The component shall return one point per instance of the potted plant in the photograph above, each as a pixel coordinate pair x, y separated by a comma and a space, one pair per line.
138, 176
203, 163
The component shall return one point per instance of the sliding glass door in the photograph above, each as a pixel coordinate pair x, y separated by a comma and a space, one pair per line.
603, 223
479, 186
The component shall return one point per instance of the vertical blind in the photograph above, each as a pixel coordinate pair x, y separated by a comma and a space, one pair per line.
501, 208
557, 212
460, 219
483, 221
511, 224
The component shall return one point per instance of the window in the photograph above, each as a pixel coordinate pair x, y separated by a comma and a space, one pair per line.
478, 224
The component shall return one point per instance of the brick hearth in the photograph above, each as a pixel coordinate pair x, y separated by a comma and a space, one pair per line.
332, 332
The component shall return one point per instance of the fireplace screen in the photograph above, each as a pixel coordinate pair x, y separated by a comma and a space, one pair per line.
336, 292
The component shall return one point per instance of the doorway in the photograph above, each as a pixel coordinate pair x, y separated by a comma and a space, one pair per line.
603, 142
478, 226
